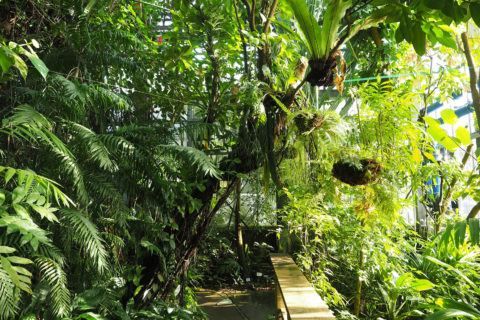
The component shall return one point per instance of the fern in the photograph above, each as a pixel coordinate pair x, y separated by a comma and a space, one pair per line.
54, 275
95, 147
193, 156
88, 237
8, 300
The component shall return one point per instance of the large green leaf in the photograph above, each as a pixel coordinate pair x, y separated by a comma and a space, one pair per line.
463, 135
6, 58
39, 65
449, 116
363, 24
421, 284
419, 39
309, 27
331, 21
475, 12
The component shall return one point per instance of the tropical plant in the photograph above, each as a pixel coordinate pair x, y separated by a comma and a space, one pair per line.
323, 42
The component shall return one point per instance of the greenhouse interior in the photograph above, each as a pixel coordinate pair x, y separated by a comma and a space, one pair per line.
239, 159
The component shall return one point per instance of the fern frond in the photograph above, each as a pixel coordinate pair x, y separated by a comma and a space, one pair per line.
53, 273
109, 99
88, 237
95, 147
26, 115
8, 300
68, 165
117, 145
73, 91
193, 156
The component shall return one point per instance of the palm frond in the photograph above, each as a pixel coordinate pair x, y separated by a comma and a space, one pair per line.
109, 99
95, 147
193, 156
8, 298
54, 275
88, 237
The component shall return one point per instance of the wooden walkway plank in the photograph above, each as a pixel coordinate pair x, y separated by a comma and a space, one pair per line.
300, 298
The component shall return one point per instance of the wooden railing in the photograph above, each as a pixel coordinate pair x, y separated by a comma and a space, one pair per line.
296, 298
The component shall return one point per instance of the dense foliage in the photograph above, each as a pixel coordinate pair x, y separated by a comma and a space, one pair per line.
127, 127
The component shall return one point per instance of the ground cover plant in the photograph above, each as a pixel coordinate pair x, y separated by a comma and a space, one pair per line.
130, 128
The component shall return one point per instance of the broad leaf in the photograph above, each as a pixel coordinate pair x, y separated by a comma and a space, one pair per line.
39, 65
331, 22
419, 40
449, 116
309, 27
475, 12
463, 135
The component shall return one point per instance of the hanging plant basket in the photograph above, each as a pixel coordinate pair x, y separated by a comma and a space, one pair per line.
306, 122
355, 174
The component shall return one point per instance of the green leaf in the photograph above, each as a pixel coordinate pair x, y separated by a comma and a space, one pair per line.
21, 66
437, 133
90, 5
474, 228
2, 197
45, 212
363, 24
475, 12
21, 211
90, 316
463, 135
19, 260
4, 249
419, 39
18, 194
435, 4
421, 284
448, 314
6, 58
449, 116
447, 40
431, 121
309, 27
39, 65
460, 232
35, 43
9, 174
7, 266
331, 22
448, 143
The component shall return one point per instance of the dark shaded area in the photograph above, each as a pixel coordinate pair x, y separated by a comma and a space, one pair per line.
354, 174
249, 304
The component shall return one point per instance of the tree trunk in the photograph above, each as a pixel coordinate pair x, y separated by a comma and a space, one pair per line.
238, 228
473, 82
476, 102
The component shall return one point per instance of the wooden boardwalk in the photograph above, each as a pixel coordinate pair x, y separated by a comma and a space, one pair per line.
296, 295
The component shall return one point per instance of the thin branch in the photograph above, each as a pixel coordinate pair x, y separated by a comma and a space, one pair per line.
270, 16
244, 43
